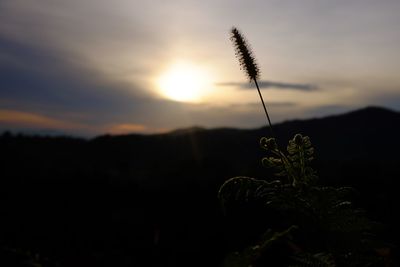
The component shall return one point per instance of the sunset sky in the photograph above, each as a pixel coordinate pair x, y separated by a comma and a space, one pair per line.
89, 67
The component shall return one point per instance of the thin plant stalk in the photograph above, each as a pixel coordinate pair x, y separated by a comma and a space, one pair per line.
248, 64
265, 108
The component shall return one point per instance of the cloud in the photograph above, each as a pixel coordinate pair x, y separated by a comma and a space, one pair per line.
257, 104
270, 84
247, 115
14, 118
68, 63
54, 90
60, 87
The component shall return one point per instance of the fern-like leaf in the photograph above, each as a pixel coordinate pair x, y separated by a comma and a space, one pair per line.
313, 260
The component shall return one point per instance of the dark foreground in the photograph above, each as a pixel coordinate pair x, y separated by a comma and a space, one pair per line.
152, 200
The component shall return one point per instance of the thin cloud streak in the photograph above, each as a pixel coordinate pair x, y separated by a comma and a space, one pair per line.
257, 104
32, 120
270, 84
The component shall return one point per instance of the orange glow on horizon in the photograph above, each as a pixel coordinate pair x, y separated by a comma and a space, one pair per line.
27, 119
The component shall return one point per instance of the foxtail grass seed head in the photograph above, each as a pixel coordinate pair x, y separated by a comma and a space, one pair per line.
248, 64
244, 54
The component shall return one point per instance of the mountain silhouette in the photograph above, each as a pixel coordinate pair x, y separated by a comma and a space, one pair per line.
367, 137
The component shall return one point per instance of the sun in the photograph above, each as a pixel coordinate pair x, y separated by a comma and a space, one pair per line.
184, 82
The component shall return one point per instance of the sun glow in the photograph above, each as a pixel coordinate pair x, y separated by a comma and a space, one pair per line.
184, 82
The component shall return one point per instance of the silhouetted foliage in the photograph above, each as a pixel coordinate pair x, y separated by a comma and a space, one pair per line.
305, 224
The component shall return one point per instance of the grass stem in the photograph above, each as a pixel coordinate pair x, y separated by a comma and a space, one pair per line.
265, 108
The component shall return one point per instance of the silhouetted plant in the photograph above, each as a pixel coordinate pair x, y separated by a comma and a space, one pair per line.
316, 225
248, 64
304, 224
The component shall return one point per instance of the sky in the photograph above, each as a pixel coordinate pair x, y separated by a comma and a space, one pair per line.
91, 67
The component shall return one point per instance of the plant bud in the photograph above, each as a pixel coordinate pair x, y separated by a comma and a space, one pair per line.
269, 143
298, 139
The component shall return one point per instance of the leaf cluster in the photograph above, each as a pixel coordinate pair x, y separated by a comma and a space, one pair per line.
294, 166
316, 225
